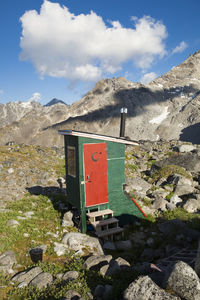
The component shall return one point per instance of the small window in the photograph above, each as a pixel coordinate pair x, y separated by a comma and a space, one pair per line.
71, 161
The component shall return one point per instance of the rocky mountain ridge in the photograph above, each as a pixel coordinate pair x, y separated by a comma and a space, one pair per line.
167, 108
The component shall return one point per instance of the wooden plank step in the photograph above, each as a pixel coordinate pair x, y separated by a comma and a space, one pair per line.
111, 231
106, 222
100, 213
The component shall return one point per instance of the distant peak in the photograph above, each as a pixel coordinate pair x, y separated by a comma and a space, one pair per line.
55, 101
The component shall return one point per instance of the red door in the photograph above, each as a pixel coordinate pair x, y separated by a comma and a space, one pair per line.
95, 172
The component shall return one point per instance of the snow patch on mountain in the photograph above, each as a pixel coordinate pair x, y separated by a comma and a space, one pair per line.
159, 119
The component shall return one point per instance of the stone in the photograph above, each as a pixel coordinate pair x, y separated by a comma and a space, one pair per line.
192, 205
110, 269
184, 281
81, 242
160, 204
72, 295
144, 288
29, 214
42, 280
183, 189
60, 249
67, 219
70, 276
95, 262
122, 263
137, 184
186, 148
13, 223
27, 276
7, 260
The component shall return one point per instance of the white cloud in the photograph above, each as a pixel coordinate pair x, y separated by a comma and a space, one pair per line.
35, 97
180, 48
83, 47
1, 92
146, 78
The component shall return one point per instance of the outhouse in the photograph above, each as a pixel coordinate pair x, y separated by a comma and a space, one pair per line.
95, 175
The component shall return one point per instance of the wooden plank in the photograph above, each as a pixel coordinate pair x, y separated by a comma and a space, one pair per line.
100, 213
111, 231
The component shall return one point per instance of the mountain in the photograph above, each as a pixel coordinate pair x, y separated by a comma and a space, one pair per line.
167, 108
55, 101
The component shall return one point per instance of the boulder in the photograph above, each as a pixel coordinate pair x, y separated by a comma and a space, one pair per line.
97, 261
67, 219
186, 148
184, 281
70, 276
144, 288
28, 275
42, 280
192, 205
82, 243
189, 161
137, 184
7, 260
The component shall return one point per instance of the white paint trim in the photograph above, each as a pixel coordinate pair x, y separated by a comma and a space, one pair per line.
97, 136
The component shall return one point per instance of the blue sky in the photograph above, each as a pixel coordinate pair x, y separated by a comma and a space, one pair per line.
62, 48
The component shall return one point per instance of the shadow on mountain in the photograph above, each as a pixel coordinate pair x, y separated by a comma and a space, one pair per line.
135, 100
191, 134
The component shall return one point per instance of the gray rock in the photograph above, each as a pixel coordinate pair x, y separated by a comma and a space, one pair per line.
7, 260
138, 184
186, 148
183, 189
67, 219
97, 261
122, 263
22, 285
144, 288
184, 281
70, 276
189, 161
110, 269
13, 223
29, 214
192, 205
79, 242
42, 280
160, 204
60, 249
72, 295
28, 275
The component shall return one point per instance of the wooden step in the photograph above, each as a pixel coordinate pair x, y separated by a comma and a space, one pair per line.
106, 224
96, 216
110, 232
